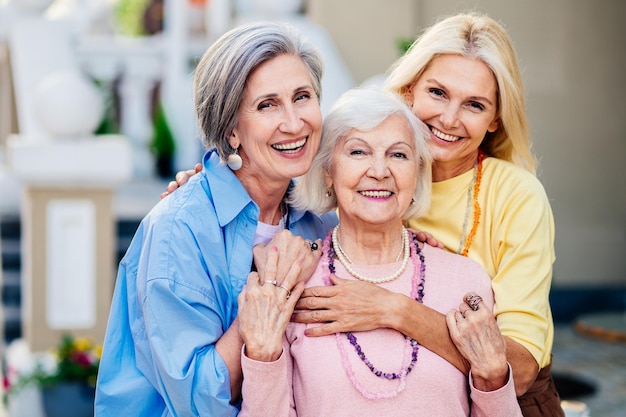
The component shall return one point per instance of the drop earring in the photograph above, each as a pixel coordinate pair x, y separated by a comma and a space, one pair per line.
234, 161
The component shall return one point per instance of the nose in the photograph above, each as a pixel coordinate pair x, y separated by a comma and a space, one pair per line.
292, 122
449, 117
379, 168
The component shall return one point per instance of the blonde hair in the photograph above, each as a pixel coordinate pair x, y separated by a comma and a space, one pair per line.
363, 109
479, 37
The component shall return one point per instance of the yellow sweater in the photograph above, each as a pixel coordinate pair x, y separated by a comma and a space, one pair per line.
514, 242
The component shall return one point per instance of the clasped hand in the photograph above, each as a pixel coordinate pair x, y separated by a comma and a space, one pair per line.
267, 301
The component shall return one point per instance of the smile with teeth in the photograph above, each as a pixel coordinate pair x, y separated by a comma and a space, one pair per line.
375, 194
290, 147
444, 136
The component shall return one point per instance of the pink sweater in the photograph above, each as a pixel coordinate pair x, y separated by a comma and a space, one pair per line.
310, 378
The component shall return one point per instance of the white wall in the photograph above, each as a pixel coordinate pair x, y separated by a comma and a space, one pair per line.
573, 54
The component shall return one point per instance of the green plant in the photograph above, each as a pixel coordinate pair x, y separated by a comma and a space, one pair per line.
403, 44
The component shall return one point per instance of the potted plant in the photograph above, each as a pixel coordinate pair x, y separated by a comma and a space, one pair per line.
66, 375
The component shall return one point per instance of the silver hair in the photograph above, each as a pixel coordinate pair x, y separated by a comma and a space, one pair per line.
362, 109
221, 75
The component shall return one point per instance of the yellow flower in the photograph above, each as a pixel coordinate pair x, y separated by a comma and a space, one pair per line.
82, 344
98, 351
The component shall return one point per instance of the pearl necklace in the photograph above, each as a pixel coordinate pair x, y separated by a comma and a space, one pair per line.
343, 258
472, 202
411, 346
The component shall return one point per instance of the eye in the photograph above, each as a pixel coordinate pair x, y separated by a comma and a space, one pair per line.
399, 155
438, 92
303, 96
357, 152
265, 105
474, 105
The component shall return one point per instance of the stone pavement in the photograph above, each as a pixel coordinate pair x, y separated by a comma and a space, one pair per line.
598, 362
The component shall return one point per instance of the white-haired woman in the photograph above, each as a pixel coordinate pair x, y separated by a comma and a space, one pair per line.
374, 168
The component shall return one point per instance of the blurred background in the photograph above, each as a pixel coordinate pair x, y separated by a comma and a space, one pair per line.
96, 116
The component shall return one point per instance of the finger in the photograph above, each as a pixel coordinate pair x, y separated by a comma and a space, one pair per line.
452, 317
292, 275
473, 300
259, 257
323, 330
181, 177
171, 186
164, 194
198, 167
271, 264
335, 280
253, 278
464, 310
241, 298
295, 295
313, 245
315, 295
434, 242
312, 316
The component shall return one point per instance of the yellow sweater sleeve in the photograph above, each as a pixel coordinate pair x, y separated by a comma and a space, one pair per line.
514, 242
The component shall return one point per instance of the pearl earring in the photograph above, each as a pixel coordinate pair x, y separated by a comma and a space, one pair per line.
234, 161
329, 193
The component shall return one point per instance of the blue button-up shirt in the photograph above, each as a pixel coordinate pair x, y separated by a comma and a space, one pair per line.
176, 294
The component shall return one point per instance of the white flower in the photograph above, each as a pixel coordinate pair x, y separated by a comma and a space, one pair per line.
48, 363
20, 360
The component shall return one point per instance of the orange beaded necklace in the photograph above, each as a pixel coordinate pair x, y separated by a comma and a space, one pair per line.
472, 203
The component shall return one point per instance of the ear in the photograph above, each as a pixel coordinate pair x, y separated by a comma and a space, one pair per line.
408, 95
328, 180
233, 140
494, 125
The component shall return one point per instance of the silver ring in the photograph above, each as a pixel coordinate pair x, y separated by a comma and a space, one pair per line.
286, 289
271, 281
473, 301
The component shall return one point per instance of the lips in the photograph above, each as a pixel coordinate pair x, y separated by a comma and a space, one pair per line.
443, 136
291, 147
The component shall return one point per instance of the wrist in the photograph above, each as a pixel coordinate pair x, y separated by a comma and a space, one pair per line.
490, 379
262, 353
393, 315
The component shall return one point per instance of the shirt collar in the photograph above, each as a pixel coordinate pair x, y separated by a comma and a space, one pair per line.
229, 195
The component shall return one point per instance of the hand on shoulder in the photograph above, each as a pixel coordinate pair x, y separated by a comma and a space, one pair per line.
180, 179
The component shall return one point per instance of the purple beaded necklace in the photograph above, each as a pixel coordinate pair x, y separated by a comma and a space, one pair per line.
411, 346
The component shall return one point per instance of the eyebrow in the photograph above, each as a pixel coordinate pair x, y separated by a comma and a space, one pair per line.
349, 138
473, 98
272, 95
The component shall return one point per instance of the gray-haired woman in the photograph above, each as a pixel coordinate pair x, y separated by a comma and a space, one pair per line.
172, 345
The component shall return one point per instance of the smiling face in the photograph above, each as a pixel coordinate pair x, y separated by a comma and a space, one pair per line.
374, 174
456, 97
278, 123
